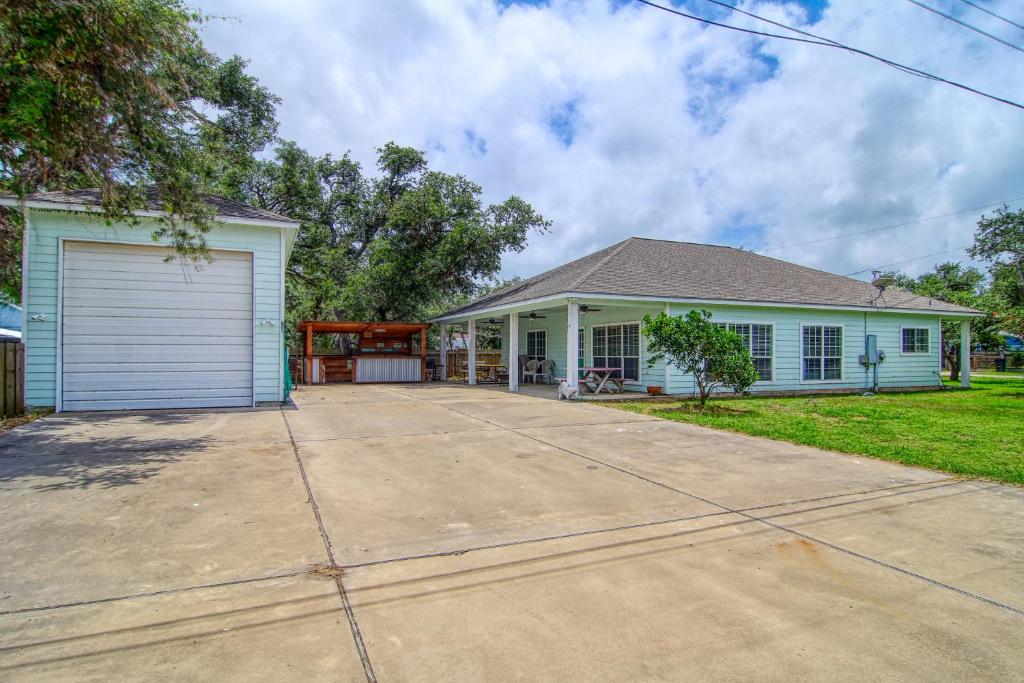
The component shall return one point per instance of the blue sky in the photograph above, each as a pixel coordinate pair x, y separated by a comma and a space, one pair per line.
614, 119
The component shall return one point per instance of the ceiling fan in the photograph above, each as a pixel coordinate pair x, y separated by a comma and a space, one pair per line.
533, 316
588, 309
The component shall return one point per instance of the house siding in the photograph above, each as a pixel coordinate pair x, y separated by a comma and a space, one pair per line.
897, 371
46, 228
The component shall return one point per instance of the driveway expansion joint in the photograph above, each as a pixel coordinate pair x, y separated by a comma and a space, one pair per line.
357, 634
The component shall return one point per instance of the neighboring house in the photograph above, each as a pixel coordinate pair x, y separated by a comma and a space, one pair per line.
10, 322
1012, 341
116, 321
806, 329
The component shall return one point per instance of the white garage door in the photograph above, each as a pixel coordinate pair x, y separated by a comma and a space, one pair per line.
141, 332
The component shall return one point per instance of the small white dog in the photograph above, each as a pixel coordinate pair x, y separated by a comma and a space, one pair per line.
567, 392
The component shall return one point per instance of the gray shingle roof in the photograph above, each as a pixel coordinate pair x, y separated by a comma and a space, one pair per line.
227, 208
684, 270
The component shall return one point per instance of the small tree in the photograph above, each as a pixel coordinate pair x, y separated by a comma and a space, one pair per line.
714, 356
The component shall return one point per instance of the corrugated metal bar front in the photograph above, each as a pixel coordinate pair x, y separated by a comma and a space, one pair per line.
388, 369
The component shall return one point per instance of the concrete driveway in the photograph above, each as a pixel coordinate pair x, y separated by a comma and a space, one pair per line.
452, 533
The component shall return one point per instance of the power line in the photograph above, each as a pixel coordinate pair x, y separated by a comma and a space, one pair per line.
887, 227
827, 42
909, 260
966, 25
997, 16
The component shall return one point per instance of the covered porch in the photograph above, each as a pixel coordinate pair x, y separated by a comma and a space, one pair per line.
580, 340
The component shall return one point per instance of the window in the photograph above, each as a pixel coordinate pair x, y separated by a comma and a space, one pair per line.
915, 340
617, 346
537, 344
822, 353
758, 339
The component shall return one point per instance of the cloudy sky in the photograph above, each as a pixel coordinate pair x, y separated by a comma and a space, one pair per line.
615, 119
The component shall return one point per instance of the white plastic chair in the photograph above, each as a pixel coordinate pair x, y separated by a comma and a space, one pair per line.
531, 370
547, 370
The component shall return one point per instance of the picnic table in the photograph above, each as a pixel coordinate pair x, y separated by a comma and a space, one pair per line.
596, 380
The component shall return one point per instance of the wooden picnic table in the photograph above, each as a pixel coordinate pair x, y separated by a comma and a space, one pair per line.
595, 380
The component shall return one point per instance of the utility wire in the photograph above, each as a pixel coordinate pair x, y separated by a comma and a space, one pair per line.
966, 25
826, 42
887, 227
909, 260
997, 16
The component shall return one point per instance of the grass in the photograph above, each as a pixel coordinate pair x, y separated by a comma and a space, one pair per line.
977, 432
12, 422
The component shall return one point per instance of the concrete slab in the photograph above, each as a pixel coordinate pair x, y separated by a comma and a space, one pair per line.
732, 469
390, 498
96, 525
286, 629
138, 430
526, 412
968, 534
447, 392
362, 420
726, 599
311, 395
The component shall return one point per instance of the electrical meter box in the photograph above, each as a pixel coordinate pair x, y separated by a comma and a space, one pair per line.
871, 353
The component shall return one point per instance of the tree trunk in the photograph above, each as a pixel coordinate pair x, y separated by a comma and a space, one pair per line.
954, 366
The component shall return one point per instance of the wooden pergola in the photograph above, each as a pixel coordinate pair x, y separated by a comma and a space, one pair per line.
383, 350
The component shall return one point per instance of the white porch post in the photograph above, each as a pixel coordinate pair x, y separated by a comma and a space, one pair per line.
442, 351
513, 351
471, 344
572, 345
965, 354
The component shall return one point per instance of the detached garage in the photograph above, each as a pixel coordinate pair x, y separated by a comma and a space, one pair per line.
113, 323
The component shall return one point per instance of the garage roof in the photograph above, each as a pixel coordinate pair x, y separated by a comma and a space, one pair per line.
91, 200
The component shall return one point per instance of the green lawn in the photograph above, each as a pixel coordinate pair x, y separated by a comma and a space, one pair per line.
977, 432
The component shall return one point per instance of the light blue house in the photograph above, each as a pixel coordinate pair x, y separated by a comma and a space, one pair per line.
806, 329
117, 321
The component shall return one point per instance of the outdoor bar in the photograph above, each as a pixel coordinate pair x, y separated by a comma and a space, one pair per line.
380, 352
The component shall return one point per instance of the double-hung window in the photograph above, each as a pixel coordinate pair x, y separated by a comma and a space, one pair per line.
822, 353
537, 344
759, 341
914, 340
617, 346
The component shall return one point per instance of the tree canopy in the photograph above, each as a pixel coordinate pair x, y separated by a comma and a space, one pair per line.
122, 95
716, 357
400, 244
999, 240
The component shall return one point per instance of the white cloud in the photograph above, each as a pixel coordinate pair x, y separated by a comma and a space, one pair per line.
678, 131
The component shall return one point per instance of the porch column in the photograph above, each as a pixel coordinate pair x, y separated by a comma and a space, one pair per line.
442, 355
965, 353
513, 352
572, 345
307, 363
471, 344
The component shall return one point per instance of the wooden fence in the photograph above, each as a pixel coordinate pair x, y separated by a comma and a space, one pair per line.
457, 360
12, 369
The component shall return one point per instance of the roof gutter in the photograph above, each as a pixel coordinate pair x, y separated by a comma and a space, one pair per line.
88, 208
532, 303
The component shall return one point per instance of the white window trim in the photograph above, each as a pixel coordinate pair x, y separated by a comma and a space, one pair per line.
640, 349
842, 357
926, 352
526, 346
771, 324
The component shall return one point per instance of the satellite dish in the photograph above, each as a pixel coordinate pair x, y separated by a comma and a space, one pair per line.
882, 282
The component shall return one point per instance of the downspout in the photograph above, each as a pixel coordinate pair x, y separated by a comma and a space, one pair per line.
866, 368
